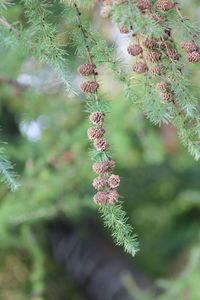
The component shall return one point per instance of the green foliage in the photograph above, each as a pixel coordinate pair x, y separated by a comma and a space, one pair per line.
160, 182
43, 42
6, 171
116, 220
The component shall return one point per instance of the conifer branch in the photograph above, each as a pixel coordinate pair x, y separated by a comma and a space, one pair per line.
113, 215
166, 94
43, 43
7, 174
116, 220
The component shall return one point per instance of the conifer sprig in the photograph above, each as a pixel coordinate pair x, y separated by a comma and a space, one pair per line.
43, 42
7, 174
167, 97
107, 196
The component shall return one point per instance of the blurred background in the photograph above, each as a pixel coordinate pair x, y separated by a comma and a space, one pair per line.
53, 244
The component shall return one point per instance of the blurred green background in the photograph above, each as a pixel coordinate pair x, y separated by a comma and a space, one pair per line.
46, 134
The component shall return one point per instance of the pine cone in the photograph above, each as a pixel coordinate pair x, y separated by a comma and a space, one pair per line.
172, 54
165, 5
163, 87
95, 133
193, 57
101, 198
167, 96
114, 181
189, 47
124, 29
143, 4
101, 144
105, 12
100, 183
86, 69
89, 86
103, 167
97, 118
113, 196
134, 49
156, 70
140, 68
154, 56
150, 43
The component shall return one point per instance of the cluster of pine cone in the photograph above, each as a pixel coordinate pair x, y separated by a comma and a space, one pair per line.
106, 183
150, 53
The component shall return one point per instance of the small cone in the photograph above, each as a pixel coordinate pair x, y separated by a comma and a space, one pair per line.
103, 167
156, 70
172, 54
194, 57
101, 144
97, 118
140, 68
114, 181
100, 183
165, 5
163, 87
89, 87
143, 4
101, 198
167, 96
154, 56
150, 43
113, 196
134, 49
189, 47
95, 133
86, 69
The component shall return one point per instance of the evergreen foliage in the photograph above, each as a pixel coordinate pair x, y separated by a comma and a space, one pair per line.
56, 174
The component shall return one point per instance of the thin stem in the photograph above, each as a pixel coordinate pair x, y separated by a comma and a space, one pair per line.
87, 48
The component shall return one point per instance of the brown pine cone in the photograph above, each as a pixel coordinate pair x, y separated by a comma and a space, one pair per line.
154, 56
95, 133
150, 43
165, 5
105, 11
124, 29
103, 167
143, 4
189, 47
89, 86
97, 118
101, 144
114, 181
101, 198
113, 196
167, 96
193, 57
156, 70
140, 68
134, 49
172, 54
100, 183
86, 69
163, 86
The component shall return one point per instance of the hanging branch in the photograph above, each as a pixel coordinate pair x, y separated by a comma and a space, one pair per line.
166, 96
106, 183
